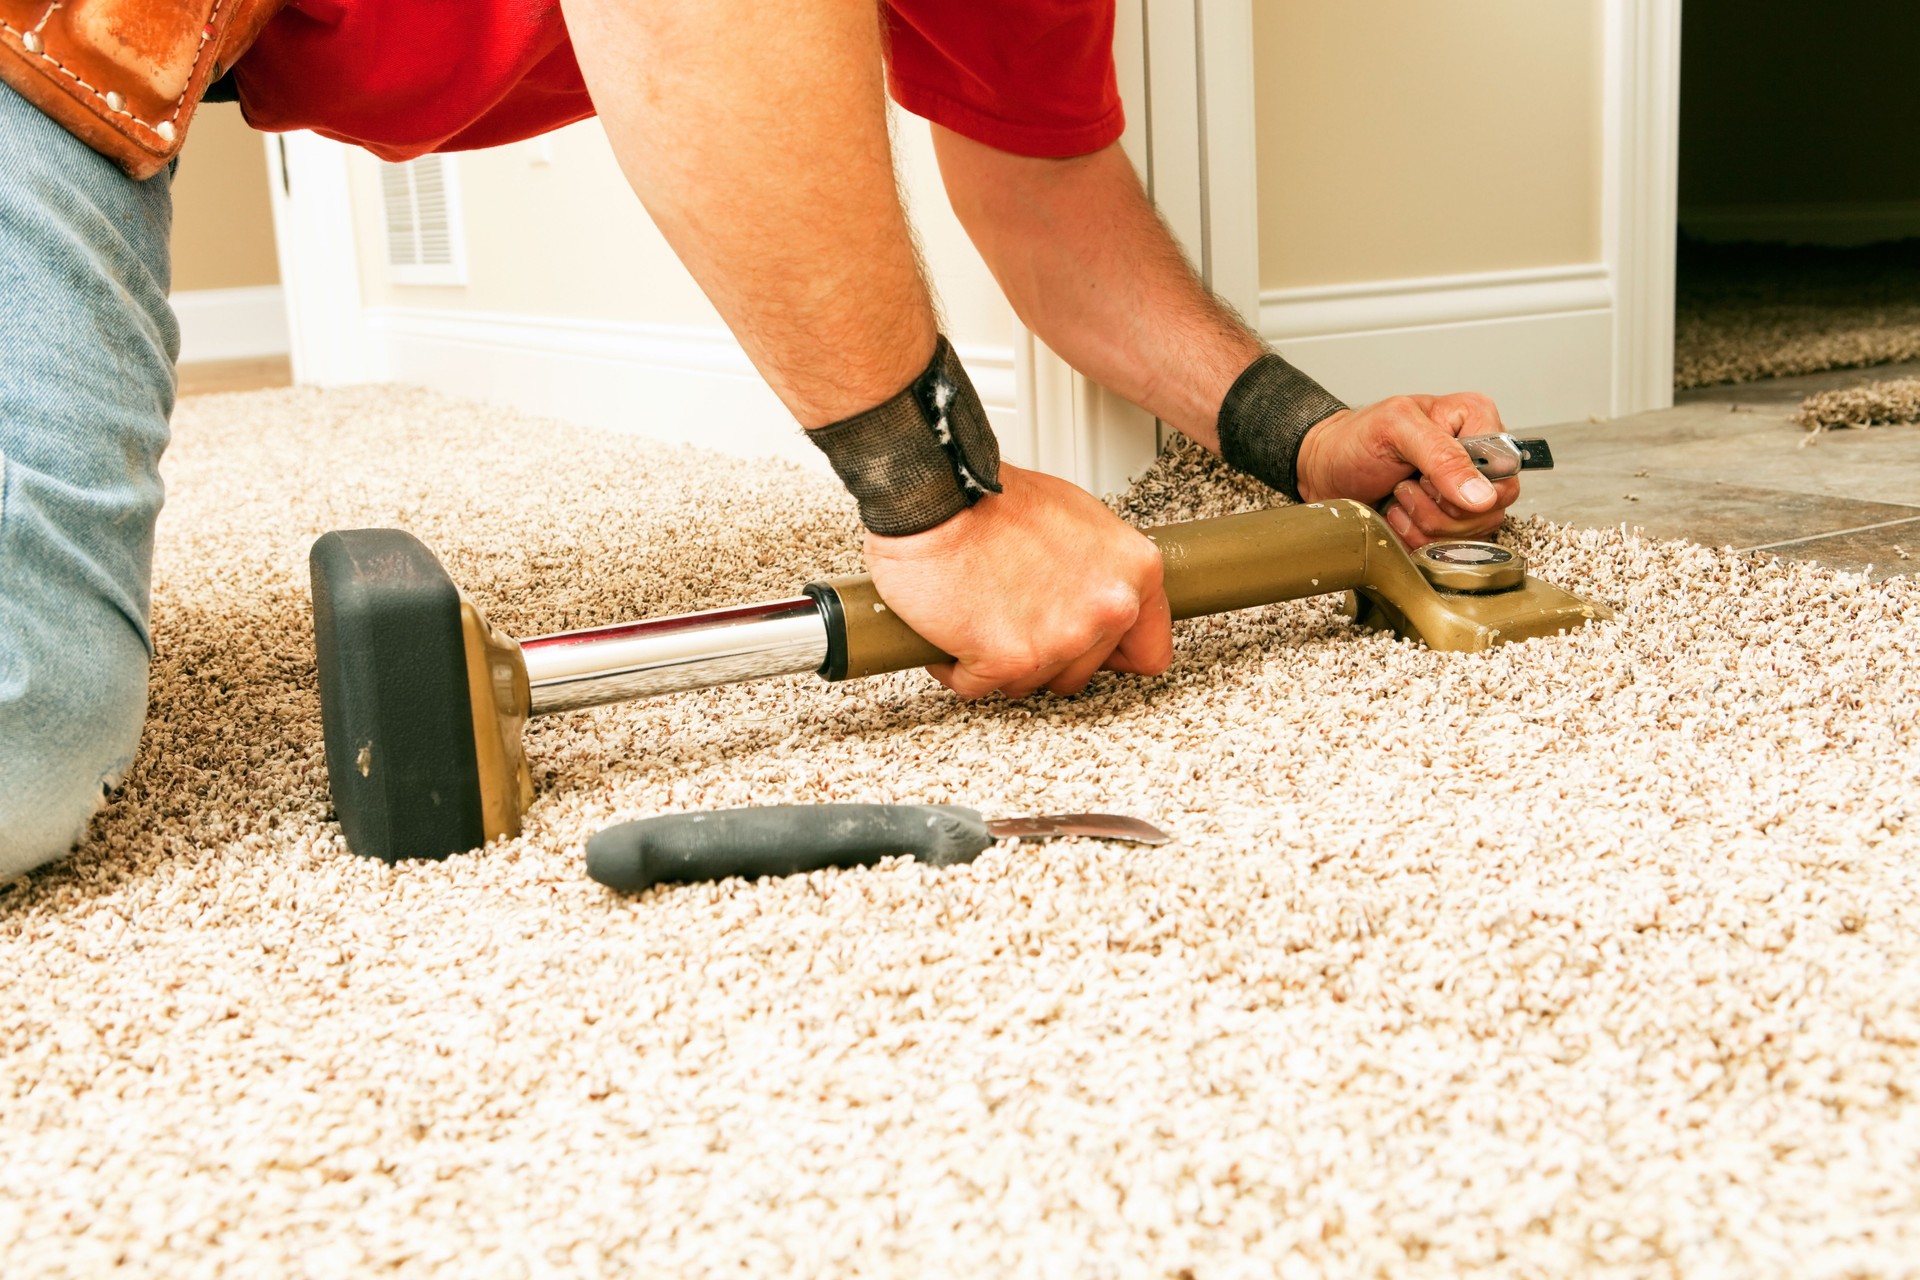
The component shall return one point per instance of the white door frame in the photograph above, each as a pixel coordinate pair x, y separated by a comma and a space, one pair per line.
1642, 185
329, 341
1186, 80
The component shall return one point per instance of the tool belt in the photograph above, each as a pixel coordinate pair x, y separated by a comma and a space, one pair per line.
124, 76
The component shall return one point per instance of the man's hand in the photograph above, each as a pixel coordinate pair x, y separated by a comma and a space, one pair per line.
1405, 447
1039, 586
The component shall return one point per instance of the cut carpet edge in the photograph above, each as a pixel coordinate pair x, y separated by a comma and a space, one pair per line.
1748, 312
1713, 352
1894, 402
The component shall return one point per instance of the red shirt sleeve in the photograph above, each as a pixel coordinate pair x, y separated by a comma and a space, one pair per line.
1034, 77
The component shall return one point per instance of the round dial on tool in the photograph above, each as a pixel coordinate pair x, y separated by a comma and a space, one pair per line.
1471, 566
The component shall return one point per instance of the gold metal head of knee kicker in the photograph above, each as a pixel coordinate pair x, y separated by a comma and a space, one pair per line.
501, 704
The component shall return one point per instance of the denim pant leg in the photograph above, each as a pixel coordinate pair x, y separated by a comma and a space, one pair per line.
87, 347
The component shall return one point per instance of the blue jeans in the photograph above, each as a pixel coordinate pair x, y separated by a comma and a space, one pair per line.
87, 348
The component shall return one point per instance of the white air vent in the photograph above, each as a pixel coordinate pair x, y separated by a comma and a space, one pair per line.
422, 201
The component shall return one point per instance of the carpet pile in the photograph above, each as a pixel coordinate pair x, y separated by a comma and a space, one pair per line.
1749, 311
1877, 404
1593, 955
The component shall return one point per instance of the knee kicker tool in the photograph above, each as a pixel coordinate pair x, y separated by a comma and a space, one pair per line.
423, 701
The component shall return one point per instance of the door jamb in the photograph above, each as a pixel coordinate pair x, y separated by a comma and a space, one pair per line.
1641, 184
1186, 80
329, 341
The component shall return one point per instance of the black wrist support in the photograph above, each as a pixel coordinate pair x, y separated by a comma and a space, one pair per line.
922, 457
1267, 413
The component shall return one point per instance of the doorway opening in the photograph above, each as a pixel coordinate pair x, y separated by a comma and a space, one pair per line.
1799, 218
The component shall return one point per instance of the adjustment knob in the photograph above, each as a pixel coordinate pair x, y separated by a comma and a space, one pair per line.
1471, 566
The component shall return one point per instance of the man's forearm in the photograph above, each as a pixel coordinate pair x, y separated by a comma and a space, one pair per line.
1089, 267
755, 134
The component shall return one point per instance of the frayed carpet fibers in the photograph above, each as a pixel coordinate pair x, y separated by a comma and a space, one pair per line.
1877, 404
1593, 955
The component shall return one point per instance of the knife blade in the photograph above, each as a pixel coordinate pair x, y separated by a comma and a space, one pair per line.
1099, 826
788, 839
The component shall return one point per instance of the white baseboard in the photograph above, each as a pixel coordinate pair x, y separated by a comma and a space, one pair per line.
1539, 342
680, 383
231, 324
1865, 222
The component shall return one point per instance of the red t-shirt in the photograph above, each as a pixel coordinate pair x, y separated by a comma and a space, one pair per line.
404, 77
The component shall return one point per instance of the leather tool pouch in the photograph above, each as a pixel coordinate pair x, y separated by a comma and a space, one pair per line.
124, 76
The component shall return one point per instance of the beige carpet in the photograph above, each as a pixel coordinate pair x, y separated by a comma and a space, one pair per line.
1877, 404
1598, 955
1744, 312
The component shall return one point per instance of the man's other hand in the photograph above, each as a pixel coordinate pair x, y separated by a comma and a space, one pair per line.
1406, 448
1039, 586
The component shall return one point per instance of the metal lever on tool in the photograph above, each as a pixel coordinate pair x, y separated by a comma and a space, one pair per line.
787, 839
1500, 456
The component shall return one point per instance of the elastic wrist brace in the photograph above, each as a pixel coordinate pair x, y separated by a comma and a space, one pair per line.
922, 457
1267, 413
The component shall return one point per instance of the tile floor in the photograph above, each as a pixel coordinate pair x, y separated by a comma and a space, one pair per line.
1728, 466
1725, 466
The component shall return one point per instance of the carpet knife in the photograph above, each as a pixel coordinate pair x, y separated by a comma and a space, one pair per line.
787, 839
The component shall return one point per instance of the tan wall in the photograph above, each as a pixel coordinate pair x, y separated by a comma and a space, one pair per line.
557, 232
551, 230
1407, 138
222, 221
1788, 102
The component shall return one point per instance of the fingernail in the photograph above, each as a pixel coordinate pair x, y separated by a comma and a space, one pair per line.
1398, 519
1477, 492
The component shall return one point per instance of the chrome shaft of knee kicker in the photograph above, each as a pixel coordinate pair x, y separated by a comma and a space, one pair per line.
590, 668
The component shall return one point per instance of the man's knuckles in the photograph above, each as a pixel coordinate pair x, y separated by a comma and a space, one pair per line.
1144, 567
1402, 409
1472, 404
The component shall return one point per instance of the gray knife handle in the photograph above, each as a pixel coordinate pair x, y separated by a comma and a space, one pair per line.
780, 840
